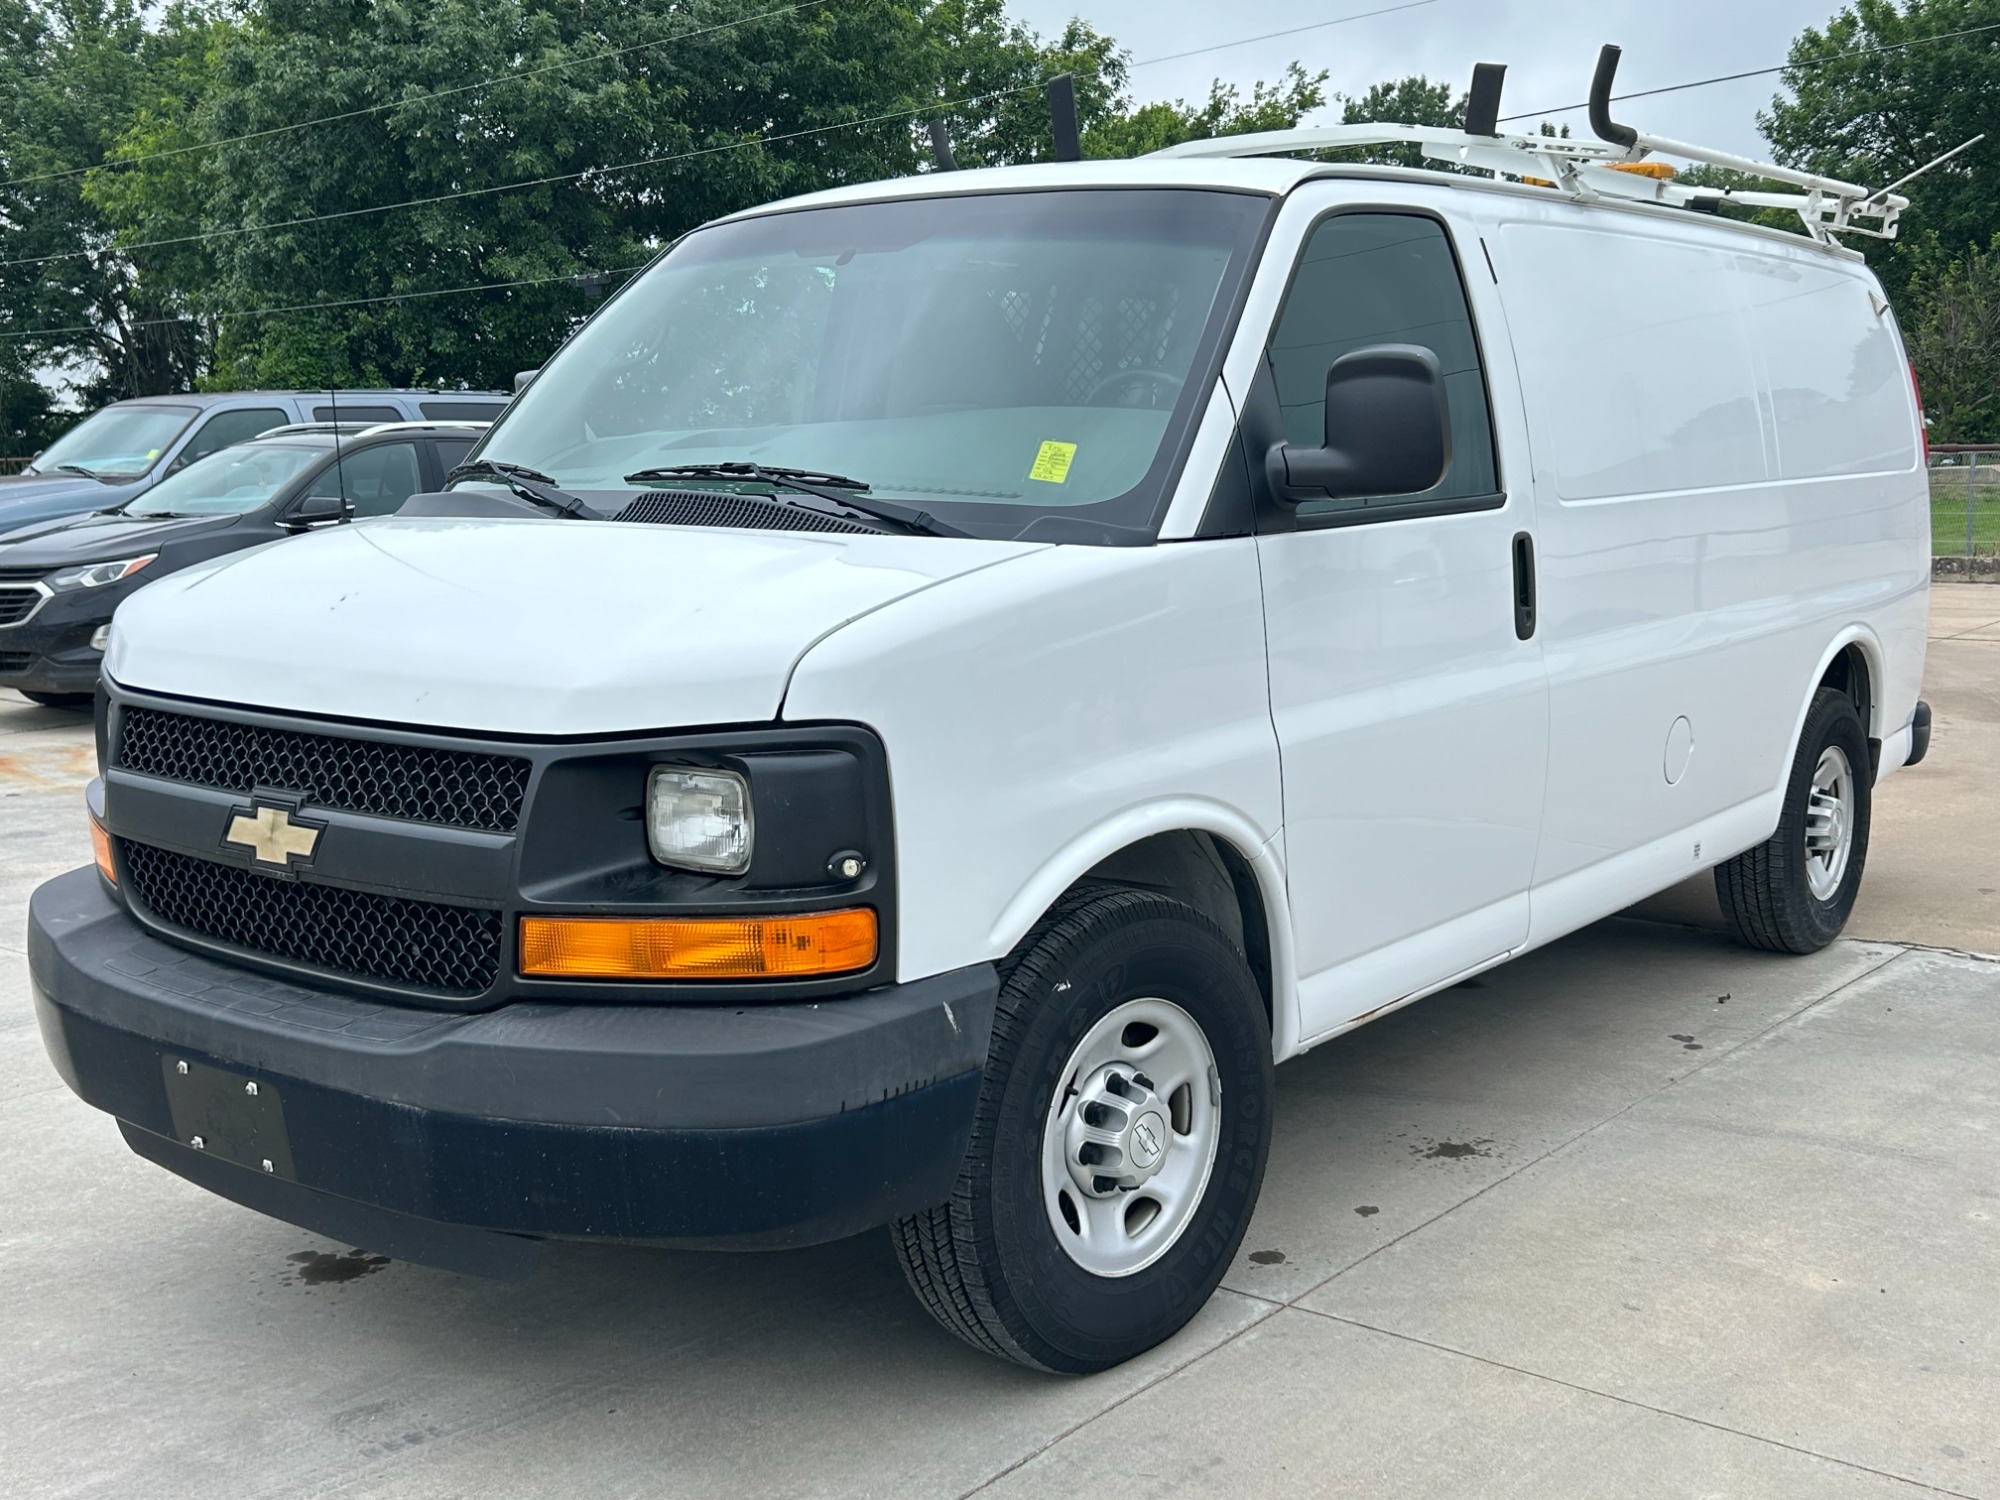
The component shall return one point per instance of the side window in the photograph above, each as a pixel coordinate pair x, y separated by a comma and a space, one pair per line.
451, 453
376, 480
461, 411
1382, 278
227, 428
356, 413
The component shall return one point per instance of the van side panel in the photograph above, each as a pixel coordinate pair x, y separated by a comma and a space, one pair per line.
1728, 484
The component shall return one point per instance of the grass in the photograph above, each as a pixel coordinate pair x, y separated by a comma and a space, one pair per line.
1948, 487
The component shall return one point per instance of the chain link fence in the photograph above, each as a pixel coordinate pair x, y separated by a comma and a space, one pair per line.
1965, 509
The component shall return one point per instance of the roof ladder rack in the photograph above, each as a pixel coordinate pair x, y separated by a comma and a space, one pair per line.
1615, 166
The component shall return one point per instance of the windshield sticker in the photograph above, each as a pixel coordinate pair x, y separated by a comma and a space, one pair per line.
1052, 462
152, 453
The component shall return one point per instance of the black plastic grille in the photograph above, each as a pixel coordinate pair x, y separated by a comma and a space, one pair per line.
15, 661
694, 508
423, 945
17, 602
418, 783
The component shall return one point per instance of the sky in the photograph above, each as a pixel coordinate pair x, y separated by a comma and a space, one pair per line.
1549, 46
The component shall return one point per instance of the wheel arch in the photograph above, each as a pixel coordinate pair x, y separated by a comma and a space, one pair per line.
1853, 662
1203, 853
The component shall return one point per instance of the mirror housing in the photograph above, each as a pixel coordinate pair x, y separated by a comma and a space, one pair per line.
316, 510
1388, 431
522, 377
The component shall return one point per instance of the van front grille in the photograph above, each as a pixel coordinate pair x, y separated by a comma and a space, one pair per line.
420, 945
417, 783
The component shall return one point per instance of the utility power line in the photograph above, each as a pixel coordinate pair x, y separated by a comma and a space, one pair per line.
1388, 10
509, 187
1817, 62
414, 99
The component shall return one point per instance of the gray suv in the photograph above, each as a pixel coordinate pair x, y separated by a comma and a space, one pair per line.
120, 451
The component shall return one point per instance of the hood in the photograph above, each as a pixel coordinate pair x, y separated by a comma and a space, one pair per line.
520, 627
66, 540
33, 497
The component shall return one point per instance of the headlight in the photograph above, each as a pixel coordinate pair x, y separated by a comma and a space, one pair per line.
96, 575
699, 820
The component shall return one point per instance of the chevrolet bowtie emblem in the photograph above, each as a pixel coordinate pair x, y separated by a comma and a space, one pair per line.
270, 834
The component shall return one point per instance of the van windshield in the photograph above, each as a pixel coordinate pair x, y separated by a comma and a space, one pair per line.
119, 442
993, 358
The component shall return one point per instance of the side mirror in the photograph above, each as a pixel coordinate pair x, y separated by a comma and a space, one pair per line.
1387, 430
316, 510
522, 377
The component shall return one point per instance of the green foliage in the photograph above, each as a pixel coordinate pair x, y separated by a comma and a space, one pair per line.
1873, 118
168, 189
1954, 342
1154, 127
78, 75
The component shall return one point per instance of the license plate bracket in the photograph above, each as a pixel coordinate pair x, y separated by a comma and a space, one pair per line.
228, 1115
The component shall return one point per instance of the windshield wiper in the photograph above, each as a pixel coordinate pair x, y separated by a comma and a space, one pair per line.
833, 487
80, 469
530, 484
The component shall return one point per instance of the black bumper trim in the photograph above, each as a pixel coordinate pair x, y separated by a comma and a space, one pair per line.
725, 1126
1920, 733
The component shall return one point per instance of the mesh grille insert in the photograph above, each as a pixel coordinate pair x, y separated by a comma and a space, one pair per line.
425, 945
694, 508
417, 783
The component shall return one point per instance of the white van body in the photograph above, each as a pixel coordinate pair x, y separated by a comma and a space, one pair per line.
1705, 432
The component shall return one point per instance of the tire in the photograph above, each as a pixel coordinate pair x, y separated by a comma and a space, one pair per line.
77, 701
1784, 896
991, 1264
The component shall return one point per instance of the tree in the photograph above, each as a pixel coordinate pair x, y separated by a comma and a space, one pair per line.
1954, 343
79, 74
1870, 116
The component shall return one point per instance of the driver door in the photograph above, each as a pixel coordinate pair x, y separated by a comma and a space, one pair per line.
1407, 688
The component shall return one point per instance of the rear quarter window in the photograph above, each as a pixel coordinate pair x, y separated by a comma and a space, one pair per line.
462, 411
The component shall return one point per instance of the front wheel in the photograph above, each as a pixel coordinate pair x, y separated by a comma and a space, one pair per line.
1794, 892
1118, 1144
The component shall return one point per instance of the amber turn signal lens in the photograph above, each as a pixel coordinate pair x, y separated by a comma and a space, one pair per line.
100, 844
829, 942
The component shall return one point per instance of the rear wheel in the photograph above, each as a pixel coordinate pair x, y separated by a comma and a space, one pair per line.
1118, 1145
1794, 892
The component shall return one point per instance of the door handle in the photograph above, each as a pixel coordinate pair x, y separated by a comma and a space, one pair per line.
1524, 585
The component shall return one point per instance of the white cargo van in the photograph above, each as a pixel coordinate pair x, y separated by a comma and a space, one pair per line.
943, 683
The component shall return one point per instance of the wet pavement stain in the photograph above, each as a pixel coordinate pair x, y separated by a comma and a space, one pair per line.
317, 1268
1689, 1044
1367, 1210
1268, 1257
1452, 1150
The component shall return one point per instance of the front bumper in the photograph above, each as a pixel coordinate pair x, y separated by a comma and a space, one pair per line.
445, 1137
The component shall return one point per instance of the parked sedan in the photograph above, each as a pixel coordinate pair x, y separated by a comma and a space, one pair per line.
61, 580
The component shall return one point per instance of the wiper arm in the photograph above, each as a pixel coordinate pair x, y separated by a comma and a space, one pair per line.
80, 469
833, 487
530, 484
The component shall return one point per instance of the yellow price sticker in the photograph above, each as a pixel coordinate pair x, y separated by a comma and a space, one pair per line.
1052, 462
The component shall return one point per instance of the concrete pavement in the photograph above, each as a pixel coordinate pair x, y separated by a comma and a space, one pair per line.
1640, 1214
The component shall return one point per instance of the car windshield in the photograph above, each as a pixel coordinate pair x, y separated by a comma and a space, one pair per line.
227, 483
119, 442
994, 358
